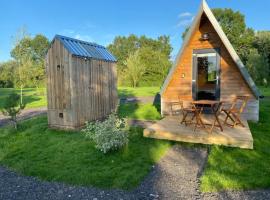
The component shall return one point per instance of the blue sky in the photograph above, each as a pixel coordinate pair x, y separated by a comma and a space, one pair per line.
100, 21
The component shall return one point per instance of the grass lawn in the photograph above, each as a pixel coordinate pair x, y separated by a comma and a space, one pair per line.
233, 168
68, 157
35, 99
265, 91
139, 111
138, 92
32, 97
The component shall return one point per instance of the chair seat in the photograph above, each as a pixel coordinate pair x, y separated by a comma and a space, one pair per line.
231, 110
189, 109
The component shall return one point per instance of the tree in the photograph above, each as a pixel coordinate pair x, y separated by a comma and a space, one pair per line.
21, 43
262, 44
12, 107
29, 54
122, 47
135, 68
7, 70
258, 67
234, 26
157, 66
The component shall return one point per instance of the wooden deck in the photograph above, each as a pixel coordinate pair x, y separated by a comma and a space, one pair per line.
170, 128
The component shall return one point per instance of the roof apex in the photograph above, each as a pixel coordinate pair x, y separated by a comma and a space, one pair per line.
204, 8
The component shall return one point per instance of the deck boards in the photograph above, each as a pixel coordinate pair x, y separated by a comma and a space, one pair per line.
170, 128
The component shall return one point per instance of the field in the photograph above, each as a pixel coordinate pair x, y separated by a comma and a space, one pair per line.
35, 150
34, 98
37, 98
54, 155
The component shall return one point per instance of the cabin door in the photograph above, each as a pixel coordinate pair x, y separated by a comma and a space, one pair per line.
206, 74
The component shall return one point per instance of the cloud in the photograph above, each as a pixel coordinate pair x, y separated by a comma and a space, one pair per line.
184, 14
185, 22
87, 38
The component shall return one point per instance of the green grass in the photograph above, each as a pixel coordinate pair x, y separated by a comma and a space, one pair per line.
233, 168
265, 91
35, 99
35, 150
31, 96
140, 111
138, 92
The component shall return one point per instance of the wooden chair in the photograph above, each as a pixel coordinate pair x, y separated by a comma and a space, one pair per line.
186, 111
217, 111
234, 112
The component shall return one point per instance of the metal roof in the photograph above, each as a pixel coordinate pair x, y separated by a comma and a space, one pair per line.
85, 49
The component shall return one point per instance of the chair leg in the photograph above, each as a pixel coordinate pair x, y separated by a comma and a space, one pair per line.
212, 127
184, 118
238, 120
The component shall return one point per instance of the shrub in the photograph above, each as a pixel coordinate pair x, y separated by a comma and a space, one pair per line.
110, 134
12, 107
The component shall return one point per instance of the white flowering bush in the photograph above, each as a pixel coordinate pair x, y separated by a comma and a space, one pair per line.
108, 135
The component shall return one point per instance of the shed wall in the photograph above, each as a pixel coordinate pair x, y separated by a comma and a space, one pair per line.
81, 89
232, 83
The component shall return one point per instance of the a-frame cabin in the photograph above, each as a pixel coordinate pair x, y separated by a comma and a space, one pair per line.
208, 67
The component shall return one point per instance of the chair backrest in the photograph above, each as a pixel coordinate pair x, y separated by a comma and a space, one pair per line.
181, 102
239, 103
218, 108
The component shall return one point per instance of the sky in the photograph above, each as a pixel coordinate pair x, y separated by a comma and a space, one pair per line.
100, 21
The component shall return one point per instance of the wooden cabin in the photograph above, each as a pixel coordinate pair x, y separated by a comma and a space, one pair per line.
208, 67
81, 82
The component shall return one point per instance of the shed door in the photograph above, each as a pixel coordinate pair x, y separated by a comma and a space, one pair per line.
206, 74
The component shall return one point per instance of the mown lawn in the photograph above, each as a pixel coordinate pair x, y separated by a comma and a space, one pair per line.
233, 168
35, 150
138, 92
37, 98
31, 96
140, 111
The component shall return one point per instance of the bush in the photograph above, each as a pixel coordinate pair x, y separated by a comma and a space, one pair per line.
110, 134
12, 107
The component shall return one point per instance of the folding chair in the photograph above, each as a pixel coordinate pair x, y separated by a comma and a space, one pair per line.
234, 112
186, 111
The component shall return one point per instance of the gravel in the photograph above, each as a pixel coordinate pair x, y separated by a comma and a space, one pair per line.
173, 177
26, 114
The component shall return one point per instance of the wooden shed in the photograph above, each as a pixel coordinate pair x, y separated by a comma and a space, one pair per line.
208, 67
81, 82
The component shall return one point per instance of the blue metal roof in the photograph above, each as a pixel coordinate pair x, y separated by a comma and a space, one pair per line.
85, 49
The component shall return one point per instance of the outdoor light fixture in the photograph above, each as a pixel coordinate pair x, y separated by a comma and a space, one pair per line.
205, 36
183, 75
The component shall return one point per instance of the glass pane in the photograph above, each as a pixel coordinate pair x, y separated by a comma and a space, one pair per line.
207, 72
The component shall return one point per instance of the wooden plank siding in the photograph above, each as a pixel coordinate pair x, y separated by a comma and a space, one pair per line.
231, 81
82, 89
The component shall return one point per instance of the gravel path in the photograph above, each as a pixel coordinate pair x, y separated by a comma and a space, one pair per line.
175, 176
26, 114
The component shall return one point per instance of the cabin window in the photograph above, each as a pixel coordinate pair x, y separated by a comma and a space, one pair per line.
58, 67
207, 66
61, 115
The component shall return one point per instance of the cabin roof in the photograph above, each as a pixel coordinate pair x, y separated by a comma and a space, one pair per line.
85, 49
204, 9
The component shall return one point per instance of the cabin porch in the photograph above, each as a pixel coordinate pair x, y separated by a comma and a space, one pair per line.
170, 128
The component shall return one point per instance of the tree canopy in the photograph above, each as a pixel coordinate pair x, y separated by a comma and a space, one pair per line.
154, 53
27, 67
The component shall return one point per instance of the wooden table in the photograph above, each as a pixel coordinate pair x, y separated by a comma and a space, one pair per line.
215, 108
